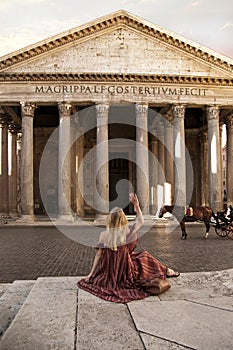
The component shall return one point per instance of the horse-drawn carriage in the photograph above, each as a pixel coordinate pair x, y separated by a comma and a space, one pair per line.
224, 224
222, 221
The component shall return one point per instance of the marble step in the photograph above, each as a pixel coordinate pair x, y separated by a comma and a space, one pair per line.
4, 287
57, 315
12, 298
47, 318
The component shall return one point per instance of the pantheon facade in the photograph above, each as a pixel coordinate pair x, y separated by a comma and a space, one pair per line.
114, 105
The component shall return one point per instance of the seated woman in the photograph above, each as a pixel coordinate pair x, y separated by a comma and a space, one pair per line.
118, 272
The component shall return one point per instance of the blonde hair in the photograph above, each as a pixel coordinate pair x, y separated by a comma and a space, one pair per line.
117, 228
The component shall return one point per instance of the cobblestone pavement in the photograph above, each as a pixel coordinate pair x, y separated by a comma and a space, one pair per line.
29, 252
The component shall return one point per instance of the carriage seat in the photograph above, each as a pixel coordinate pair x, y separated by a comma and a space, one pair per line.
189, 211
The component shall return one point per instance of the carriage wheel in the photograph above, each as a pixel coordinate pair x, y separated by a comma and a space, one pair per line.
230, 230
221, 231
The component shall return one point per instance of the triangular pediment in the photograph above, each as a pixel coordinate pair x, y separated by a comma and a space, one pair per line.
119, 43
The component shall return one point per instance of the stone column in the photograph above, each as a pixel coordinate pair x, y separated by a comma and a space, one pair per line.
19, 144
154, 174
161, 155
215, 195
78, 168
102, 172
179, 156
142, 165
13, 176
229, 144
4, 209
79, 177
221, 160
204, 191
169, 156
73, 161
26, 166
64, 163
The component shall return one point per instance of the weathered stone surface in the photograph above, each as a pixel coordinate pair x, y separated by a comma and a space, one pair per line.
203, 285
154, 343
195, 313
186, 323
105, 325
11, 302
47, 318
4, 287
119, 50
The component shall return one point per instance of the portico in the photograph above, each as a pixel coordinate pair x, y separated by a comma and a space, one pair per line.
89, 115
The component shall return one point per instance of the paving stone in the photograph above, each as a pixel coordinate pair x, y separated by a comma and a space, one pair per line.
201, 285
11, 302
105, 325
29, 252
46, 320
198, 303
3, 288
154, 343
185, 323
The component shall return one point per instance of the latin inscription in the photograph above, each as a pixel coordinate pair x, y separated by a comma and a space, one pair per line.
119, 89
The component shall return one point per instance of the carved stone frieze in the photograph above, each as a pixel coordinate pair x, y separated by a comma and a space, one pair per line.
110, 77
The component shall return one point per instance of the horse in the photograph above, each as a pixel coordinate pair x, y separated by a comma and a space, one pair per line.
202, 213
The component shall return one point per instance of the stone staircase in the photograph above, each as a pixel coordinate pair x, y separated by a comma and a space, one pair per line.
37, 315
51, 313
12, 297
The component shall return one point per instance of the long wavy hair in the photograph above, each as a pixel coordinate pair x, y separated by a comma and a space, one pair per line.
117, 228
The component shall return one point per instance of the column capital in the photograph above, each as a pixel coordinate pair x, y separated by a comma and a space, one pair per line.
141, 109
212, 112
65, 108
102, 110
178, 111
28, 109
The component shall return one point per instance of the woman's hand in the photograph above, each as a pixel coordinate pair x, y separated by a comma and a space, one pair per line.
134, 199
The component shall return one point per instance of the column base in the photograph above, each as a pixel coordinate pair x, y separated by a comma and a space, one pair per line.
147, 216
14, 215
65, 217
26, 218
5, 215
100, 220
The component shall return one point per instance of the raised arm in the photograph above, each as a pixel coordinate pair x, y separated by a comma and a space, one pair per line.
140, 220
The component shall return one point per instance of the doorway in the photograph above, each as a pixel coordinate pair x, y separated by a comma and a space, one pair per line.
119, 186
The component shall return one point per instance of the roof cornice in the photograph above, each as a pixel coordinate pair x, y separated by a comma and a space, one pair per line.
113, 77
115, 20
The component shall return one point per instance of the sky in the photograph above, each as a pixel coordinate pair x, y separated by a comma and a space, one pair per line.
207, 22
